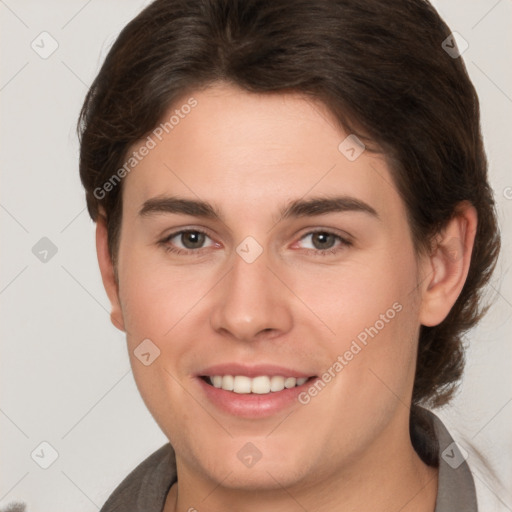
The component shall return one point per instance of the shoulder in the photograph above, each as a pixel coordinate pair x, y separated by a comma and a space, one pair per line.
146, 487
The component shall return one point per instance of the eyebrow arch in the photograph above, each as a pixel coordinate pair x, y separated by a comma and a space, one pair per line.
324, 205
297, 208
172, 204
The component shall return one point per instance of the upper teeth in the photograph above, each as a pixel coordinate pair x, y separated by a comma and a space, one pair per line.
259, 385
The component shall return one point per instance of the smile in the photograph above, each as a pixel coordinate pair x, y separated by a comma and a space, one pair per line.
260, 385
253, 390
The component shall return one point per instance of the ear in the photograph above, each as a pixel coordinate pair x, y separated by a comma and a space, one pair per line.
107, 273
447, 266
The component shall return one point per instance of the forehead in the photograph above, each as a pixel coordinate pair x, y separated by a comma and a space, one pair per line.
245, 151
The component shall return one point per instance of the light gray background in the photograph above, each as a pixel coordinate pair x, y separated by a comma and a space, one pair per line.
65, 374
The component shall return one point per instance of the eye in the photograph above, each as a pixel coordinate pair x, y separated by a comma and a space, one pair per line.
324, 242
190, 239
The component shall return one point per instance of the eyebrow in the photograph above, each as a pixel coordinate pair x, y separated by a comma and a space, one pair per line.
298, 208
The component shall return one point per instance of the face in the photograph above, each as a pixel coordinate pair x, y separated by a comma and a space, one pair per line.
298, 269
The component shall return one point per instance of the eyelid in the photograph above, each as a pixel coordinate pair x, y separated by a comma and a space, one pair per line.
332, 231
179, 230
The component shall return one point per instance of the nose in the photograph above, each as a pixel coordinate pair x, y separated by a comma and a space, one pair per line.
252, 302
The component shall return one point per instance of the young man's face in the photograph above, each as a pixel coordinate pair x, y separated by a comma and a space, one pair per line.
262, 295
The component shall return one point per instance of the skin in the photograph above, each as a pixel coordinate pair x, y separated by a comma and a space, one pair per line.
349, 447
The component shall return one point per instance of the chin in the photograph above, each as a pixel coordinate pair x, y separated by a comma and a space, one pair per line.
264, 477
252, 463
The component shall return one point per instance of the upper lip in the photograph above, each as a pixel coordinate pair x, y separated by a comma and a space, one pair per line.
251, 370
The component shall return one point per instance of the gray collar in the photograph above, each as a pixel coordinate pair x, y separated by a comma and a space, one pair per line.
456, 487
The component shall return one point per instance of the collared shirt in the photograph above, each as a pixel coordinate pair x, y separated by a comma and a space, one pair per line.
145, 488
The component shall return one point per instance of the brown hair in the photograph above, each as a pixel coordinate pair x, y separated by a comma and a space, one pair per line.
380, 68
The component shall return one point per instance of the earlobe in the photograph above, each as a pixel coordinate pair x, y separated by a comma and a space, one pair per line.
448, 265
107, 273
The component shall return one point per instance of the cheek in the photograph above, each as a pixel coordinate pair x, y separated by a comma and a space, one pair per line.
160, 303
354, 298
371, 310
378, 374
156, 297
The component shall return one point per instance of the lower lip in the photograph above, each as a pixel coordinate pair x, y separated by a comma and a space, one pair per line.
252, 405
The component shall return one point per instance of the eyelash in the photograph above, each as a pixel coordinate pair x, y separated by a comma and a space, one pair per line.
198, 252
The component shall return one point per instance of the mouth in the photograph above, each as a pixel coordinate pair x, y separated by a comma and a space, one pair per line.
259, 385
253, 392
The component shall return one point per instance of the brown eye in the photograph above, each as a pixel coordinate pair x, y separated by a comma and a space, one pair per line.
192, 239
323, 240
